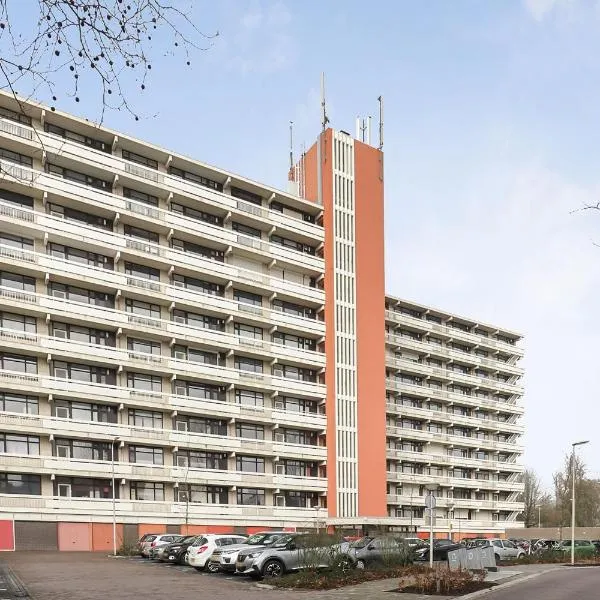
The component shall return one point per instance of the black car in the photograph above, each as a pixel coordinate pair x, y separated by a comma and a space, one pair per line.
176, 551
440, 550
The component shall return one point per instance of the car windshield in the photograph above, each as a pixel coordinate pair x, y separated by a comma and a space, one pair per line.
283, 541
200, 541
262, 539
150, 538
187, 538
361, 543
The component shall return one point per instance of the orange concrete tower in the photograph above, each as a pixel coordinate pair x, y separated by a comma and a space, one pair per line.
345, 176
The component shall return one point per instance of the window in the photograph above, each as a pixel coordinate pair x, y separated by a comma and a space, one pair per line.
300, 499
142, 271
139, 159
15, 116
70, 214
144, 382
91, 259
298, 404
249, 398
147, 490
14, 198
247, 297
199, 285
250, 464
198, 215
17, 403
199, 459
136, 345
82, 449
145, 418
83, 487
250, 431
434, 427
204, 251
15, 157
245, 195
11, 443
78, 138
17, 282
246, 229
201, 425
146, 455
20, 483
85, 335
17, 362
201, 391
82, 411
196, 320
18, 322
294, 341
141, 234
300, 468
144, 309
292, 212
300, 436
78, 177
140, 197
294, 245
85, 373
76, 294
248, 331
253, 365
292, 372
195, 355
203, 494
294, 309
16, 241
251, 496
199, 179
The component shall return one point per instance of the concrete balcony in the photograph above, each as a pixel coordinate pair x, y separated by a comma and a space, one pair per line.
442, 502
448, 332
425, 392
161, 183
43, 425
43, 385
444, 354
446, 481
49, 508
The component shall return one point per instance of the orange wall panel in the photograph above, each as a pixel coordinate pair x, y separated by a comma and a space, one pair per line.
310, 174
144, 528
7, 535
102, 536
219, 529
75, 537
194, 529
370, 330
251, 530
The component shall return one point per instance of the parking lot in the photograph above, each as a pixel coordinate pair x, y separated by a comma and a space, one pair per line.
88, 576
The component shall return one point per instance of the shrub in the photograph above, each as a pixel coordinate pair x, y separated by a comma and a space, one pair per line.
127, 549
444, 581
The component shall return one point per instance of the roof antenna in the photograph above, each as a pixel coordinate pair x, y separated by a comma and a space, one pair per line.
380, 99
324, 117
291, 144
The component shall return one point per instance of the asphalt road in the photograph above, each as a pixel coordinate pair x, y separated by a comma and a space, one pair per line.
579, 583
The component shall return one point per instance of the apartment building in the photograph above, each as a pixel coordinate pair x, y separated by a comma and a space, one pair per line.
185, 349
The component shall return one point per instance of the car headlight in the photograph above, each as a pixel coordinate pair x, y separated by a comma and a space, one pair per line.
175, 548
229, 552
255, 554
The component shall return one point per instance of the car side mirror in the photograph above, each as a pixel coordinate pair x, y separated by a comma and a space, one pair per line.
291, 546
371, 547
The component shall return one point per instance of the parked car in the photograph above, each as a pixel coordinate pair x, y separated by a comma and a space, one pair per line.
505, 549
145, 539
176, 551
223, 559
413, 542
597, 544
151, 546
289, 552
440, 550
377, 550
581, 547
200, 552
475, 542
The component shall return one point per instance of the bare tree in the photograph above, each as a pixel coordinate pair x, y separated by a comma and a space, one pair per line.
100, 41
533, 497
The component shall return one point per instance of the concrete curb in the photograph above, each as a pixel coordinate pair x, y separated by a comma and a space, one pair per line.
508, 584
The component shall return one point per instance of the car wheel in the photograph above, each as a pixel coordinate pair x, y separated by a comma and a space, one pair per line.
360, 564
212, 567
272, 568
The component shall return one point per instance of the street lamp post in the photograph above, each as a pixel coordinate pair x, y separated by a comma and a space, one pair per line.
114, 506
539, 517
430, 503
573, 498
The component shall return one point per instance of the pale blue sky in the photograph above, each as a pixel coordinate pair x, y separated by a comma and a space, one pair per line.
491, 140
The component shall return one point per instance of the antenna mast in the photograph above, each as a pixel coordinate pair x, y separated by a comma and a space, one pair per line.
380, 99
324, 117
291, 144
